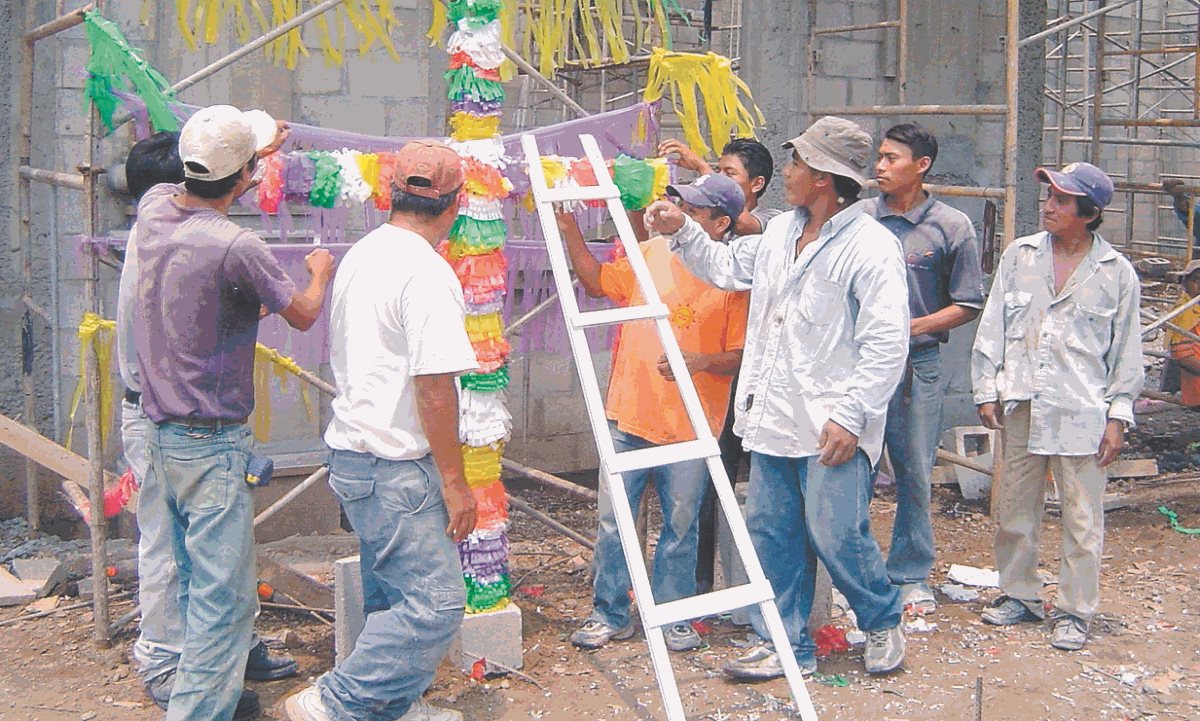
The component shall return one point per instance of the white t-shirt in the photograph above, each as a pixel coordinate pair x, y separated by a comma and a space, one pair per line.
397, 312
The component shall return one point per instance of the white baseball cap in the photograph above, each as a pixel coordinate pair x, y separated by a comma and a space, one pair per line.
219, 140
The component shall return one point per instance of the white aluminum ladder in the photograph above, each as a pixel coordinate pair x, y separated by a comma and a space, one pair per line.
655, 616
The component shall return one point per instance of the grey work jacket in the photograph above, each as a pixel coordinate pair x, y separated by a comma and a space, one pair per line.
827, 335
1075, 355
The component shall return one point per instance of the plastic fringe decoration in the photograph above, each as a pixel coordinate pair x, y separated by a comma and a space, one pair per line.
101, 335
113, 60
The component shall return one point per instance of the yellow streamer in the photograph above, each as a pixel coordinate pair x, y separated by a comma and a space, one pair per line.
466, 126
720, 90
481, 464
484, 327
100, 334
268, 361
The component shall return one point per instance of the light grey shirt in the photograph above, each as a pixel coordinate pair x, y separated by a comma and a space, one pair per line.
827, 336
126, 297
1075, 355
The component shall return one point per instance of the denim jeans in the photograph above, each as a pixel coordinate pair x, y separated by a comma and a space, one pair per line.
410, 567
914, 422
680, 491
799, 511
202, 473
160, 631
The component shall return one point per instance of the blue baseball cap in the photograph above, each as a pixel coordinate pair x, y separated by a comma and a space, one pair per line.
712, 191
1080, 179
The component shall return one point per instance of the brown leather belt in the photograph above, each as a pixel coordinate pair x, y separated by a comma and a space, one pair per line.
206, 423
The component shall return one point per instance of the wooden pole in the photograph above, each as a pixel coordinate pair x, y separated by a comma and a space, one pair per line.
1097, 119
33, 506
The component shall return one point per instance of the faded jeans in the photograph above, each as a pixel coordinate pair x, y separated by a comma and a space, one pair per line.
680, 492
799, 511
914, 422
398, 512
202, 473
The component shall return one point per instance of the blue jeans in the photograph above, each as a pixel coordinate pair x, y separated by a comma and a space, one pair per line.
914, 421
680, 491
202, 473
798, 511
410, 567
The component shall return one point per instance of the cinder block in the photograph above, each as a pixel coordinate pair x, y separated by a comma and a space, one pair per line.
44, 574
976, 443
347, 605
492, 636
14, 591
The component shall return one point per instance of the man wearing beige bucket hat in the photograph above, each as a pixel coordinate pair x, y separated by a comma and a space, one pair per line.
825, 348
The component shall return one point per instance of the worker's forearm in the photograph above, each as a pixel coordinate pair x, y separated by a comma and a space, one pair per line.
587, 268
723, 364
437, 407
946, 319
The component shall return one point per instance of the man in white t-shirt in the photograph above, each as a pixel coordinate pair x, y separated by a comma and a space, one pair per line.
397, 344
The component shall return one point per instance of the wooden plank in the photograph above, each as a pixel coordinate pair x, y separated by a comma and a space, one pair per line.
1133, 468
47, 453
300, 586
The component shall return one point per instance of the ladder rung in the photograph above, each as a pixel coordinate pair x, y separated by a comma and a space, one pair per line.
708, 604
612, 316
587, 192
627, 461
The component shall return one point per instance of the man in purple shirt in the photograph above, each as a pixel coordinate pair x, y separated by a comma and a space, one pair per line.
203, 283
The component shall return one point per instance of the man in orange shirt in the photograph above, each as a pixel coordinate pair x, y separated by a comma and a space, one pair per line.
1184, 350
645, 408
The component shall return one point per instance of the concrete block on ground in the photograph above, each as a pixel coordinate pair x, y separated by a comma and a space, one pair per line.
85, 588
44, 573
347, 605
14, 591
1133, 468
494, 636
975, 443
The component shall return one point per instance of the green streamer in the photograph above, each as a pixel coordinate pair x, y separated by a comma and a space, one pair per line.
1175, 524
635, 179
492, 382
479, 11
478, 233
483, 597
113, 60
463, 83
326, 185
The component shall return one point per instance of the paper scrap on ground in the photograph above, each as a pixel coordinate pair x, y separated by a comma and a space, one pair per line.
971, 576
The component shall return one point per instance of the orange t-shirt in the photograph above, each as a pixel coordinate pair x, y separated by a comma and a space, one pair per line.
1182, 347
705, 320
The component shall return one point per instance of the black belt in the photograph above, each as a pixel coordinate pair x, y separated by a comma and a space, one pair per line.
206, 423
132, 397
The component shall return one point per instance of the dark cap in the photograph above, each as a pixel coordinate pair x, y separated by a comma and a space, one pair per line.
1083, 180
428, 169
712, 191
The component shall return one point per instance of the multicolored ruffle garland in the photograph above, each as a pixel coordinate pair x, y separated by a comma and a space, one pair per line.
475, 250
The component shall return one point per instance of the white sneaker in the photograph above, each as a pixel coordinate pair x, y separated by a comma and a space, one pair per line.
306, 706
421, 711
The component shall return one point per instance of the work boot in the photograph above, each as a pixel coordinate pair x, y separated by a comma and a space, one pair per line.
885, 650
682, 637
762, 663
159, 690
918, 598
1006, 611
594, 634
1070, 632
262, 665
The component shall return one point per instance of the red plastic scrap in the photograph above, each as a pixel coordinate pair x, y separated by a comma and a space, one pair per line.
478, 669
533, 591
702, 627
830, 639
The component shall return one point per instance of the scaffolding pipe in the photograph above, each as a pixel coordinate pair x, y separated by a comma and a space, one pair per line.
24, 240
1150, 142
51, 177
1012, 53
912, 110
1101, 12
1151, 123
1098, 89
317, 476
545, 82
1169, 316
852, 28
902, 51
549, 522
57, 25
548, 479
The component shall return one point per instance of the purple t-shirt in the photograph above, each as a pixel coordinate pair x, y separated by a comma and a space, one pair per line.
201, 282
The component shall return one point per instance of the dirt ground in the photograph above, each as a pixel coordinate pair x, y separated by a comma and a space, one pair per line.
1143, 661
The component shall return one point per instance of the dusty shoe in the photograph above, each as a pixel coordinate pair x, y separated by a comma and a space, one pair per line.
682, 637
306, 706
1070, 633
421, 711
159, 689
762, 663
1006, 610
918, 598
594, 634
262, 665
885, 650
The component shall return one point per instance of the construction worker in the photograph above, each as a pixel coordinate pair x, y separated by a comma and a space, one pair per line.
1184, 350
745, 161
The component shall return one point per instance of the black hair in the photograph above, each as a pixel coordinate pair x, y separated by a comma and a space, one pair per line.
1085, 207
756, 159
846, 188
213, 189
406, 202
916, 138
151, 161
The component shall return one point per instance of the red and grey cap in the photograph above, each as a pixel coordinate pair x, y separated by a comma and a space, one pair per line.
1082, 180
428, 169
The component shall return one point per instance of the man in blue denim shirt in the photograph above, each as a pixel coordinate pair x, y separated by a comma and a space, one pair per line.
397, 344
945, 290
202, 283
